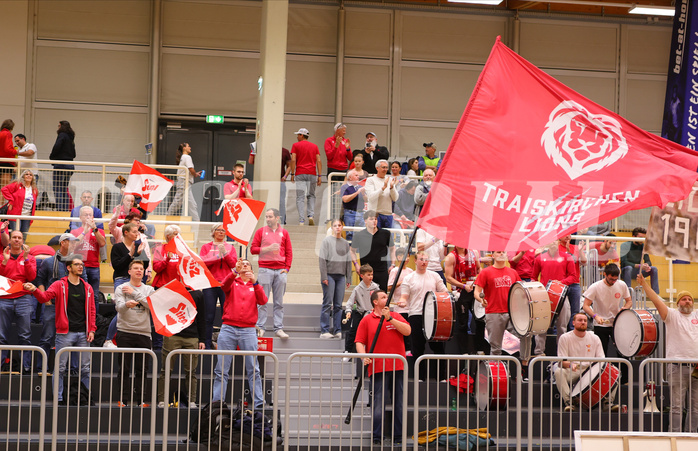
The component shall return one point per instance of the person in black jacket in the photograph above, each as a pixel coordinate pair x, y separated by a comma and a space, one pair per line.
63, 150
372, 152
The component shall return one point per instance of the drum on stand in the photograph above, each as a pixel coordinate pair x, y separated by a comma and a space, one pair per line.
635, 333
557, 292
529, 308
437, 316
596, 384
492, 391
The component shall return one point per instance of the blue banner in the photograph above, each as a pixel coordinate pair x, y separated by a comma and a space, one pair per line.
680, 123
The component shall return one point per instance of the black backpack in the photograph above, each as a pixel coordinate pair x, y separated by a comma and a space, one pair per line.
212, 425
75, 393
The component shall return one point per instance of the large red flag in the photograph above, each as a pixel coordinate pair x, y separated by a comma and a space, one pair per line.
532, 160
192, 268
147, 183
240, 217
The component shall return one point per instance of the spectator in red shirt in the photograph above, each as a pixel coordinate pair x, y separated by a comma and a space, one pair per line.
239, 186
273, 245
90, 240
306, 168
386, 374
7, 150
607, 252
18, 307
337, 150
220, 258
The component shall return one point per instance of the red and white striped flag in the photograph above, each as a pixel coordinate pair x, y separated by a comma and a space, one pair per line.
192, 268
172, 308
240, 217
147, 183
9, 286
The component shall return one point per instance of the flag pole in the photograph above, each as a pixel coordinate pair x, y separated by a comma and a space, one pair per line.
347, 420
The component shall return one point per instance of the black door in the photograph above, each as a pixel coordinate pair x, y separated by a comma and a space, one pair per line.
215, 150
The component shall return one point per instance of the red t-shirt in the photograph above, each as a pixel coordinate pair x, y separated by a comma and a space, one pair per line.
523, 267
390, 341
231, 186
605, 258
88, 249
496, 282
306, 157
574, 252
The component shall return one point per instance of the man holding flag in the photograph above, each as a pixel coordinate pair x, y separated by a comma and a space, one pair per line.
243, 295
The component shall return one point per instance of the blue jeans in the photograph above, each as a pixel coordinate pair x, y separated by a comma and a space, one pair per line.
23, 226
48, 330
272, 280
332, 297
78, 339
93, 279
61, 181
118, 282
630, 272
230, 338
211, 297
385, 221
282, 202
574, 295
390, 384
18, 310
353, 219
305, 194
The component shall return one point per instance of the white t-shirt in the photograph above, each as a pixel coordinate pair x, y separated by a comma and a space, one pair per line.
186, 163
681, 335
435, 251
28, 202
33, 165
399, 290
606, 300
417, 286
589, 346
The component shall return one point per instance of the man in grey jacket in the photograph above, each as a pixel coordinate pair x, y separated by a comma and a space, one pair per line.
133, 331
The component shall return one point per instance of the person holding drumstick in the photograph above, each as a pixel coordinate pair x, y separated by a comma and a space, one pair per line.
681, 338
414, 288
606, 295
578, 343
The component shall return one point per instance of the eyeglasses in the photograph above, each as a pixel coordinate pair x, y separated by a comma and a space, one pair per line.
77, 264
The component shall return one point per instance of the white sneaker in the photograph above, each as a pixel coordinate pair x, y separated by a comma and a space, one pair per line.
161, 405
323, 335
192, 405
346, 359
338, 335
109, 344
260, 332
281, 334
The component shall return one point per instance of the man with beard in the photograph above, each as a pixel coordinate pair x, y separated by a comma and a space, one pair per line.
583, 345
681, 338
239, 187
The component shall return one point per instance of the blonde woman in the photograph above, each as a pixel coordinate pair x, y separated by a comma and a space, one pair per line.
21, 194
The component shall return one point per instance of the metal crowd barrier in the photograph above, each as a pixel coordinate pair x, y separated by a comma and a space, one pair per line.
318, 397
669, 387
551, 426
19, 395
486, 417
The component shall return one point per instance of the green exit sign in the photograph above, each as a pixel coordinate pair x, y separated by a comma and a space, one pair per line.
212, 119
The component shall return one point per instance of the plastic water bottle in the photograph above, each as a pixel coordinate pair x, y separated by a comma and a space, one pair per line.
454, 404
203, 174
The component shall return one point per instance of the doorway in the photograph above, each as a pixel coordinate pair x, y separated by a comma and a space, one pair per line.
215, 149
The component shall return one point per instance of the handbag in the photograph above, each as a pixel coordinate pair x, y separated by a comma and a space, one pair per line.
5, 208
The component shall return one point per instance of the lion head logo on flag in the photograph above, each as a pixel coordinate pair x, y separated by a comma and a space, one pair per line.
580, 142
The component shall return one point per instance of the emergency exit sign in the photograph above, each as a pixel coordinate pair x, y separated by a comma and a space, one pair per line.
213, 119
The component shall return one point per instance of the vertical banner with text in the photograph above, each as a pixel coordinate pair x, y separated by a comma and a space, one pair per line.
680, 122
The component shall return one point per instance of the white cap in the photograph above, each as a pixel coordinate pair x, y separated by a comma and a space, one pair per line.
68, 236
302, 131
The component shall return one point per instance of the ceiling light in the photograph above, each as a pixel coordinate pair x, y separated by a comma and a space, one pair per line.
653, 10
478, 2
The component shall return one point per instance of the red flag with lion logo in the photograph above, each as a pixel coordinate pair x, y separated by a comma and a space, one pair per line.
172, 308
240, 217
192, 268
532, 160
147, 183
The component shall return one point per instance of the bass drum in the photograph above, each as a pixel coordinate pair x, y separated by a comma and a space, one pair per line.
492, 391
635, 333
556, 294
529, 308
596, 384
437, 316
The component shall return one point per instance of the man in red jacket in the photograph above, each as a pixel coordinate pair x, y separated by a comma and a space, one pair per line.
75, 317
273, 245
18, 307
242, 296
